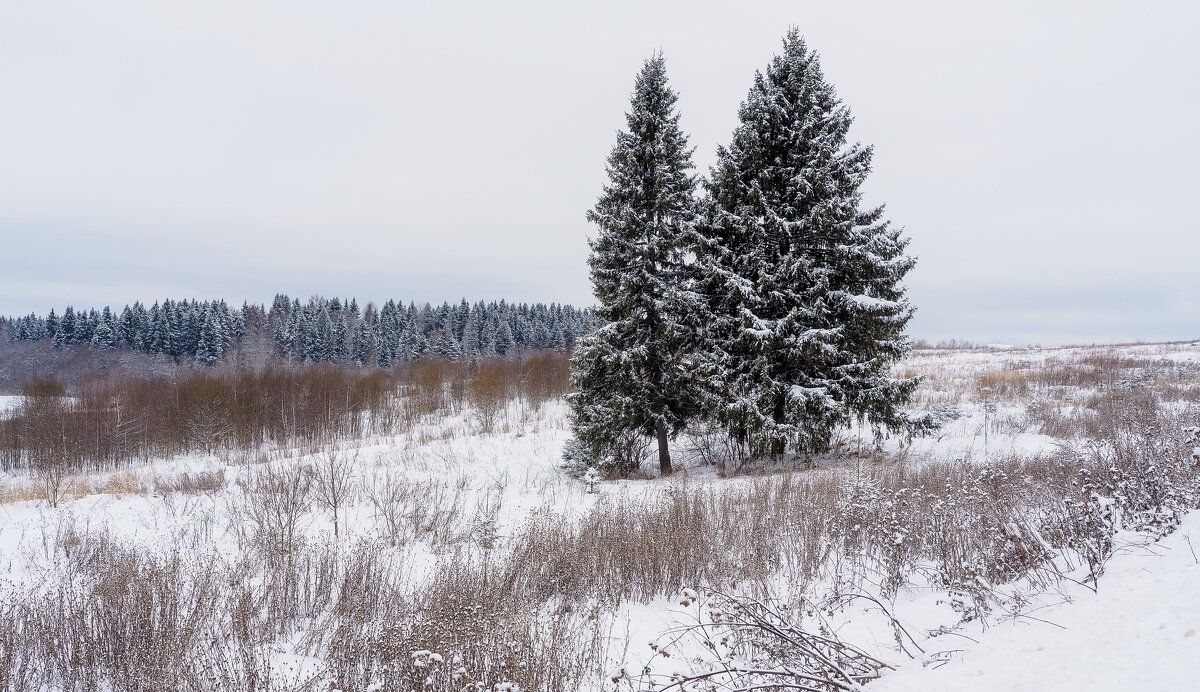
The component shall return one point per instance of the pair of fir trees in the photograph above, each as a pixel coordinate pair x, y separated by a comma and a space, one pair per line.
771, 305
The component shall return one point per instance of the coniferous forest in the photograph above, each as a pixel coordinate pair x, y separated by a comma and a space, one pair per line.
317, 331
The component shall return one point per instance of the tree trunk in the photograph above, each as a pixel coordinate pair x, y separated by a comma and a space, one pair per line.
664, 454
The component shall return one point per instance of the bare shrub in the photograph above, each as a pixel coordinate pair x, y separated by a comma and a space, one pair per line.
427, 386
391, 417
392, 500
489, 393
410, 509
1007, 384
206, 419
335, 479
19, 667
113, 421
51, 478
43, 387
20, 491
275, 506
457, 377
1060, 422
713, 446
544, 376
463, 629
115, 618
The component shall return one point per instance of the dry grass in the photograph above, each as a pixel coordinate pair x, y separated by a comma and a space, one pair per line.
72, 487
123, 483
536, 608
534, 602
191, 483
19, 491
1006, 384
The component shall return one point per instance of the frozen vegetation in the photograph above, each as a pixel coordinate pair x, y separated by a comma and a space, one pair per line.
1042, 538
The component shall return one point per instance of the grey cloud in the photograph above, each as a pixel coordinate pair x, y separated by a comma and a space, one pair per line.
236, 149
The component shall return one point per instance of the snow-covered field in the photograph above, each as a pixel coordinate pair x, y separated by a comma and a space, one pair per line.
7, 403
1136, 631
946, 559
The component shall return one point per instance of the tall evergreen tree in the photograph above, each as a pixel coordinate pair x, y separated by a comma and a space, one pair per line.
389, 332
66, 328
160, 330
210, 345
412, 344
174, 318
339, 346
104, 337
807, 311
142, 327
446, 345
632, 374
287, 334
503, 339
52, 326
362, 350
318, 332
470, 336
85, 326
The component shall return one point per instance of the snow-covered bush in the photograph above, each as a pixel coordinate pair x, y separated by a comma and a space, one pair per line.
945, 412
748, 644
622, 457
591, 479
576, 459
1192, 437
486, 532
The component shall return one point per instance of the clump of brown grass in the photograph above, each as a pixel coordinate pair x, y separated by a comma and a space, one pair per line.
122, 483
1006, 384
17, 491
191, 483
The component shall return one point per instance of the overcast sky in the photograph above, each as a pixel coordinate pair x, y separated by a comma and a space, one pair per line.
1042, 158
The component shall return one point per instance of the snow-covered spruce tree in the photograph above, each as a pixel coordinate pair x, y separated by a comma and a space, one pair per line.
211, 345
806, 306
504, 339
160, 331
105, 337
631, 374
446, 345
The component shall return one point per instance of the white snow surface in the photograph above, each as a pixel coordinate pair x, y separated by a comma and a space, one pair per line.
1140, 630
8, 403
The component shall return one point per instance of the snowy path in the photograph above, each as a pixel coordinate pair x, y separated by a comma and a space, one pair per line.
1140, 632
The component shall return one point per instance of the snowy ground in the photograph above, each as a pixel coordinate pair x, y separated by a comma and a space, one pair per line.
7, 403
1137, 631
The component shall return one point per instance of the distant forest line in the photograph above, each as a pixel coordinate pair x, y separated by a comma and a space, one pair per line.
319, 331
159, 339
